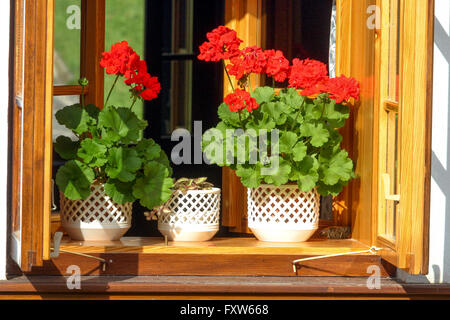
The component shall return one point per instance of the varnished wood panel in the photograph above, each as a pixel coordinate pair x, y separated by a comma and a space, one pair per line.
214, 264
69, 90
92, 46
33, 169
415, 124
222, 256
355, 58
206, 287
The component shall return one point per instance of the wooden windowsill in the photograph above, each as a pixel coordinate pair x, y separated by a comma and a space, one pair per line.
246, 246
184, 287
219, 257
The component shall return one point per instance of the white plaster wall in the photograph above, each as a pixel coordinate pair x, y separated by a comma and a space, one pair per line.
439, 269
4, 98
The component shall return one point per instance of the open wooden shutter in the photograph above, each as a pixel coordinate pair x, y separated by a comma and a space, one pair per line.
32, 137
391, 130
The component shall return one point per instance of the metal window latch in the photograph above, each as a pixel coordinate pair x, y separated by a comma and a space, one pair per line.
386, 186
54, 207
56, 250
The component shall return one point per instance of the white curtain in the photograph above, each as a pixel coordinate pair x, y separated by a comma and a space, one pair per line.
332, 55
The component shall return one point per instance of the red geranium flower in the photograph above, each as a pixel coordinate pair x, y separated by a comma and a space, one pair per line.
342, 89
145, 86
277, 65
240, 100
309, 75
120, 60
223, 44
251, 60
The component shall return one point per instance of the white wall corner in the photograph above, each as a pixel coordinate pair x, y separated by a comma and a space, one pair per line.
439, 251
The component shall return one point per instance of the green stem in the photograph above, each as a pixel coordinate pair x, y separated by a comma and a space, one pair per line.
298, 114
82, 96
110, 90
228, 75
273, 82
132, 105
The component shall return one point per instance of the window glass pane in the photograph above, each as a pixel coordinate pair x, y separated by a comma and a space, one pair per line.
177, 39
59, 102
391, 208
67, 42
177, 99
125, 20
300, 28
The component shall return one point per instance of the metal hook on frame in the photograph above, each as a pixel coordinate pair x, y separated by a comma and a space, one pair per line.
56, 250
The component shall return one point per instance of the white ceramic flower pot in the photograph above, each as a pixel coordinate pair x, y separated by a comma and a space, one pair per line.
282, 214
97, 218
194, 215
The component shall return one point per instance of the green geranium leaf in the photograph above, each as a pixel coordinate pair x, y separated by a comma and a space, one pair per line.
338, 167
277, 111
292, 98
75, 118
276, 175
154, 187
164, 160
313, 111
123, 164
334, 190
148, 149
260, 121
120, 192
66, 148
93, 111
214, 147
230, 118
305, 173
93, 153
263, 94
120, 124
250, 175
318, 133
287, 142
299, 151
74, 179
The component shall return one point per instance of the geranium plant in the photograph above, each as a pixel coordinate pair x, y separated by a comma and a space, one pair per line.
108, 148
305, 115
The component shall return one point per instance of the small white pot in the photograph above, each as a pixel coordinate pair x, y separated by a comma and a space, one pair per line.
97, 218
282, 214
194, 215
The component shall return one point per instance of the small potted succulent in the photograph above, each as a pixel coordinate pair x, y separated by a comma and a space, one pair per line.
192, 213
284, 145
109, 166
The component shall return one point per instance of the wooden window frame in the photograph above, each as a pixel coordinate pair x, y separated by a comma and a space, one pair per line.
357, 205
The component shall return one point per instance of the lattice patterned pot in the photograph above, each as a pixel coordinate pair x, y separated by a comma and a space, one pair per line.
282, 214
97, 218
194, 216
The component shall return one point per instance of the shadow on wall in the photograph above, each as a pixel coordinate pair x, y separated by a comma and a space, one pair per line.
439, 270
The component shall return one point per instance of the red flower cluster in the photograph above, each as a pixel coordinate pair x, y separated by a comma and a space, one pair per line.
121, 60
277, 65
250, 60
309, 75
342, 89
146, 86
223, 44
240, 100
